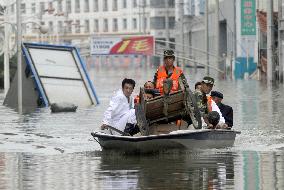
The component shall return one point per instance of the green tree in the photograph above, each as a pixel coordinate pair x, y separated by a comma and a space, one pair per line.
13, 68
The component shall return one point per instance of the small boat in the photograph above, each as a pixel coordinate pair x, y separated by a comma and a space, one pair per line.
156, 119
181, 139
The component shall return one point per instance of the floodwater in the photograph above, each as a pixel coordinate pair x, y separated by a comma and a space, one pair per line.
40, 150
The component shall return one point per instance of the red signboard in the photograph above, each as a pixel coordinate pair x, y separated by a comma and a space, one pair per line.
128, 45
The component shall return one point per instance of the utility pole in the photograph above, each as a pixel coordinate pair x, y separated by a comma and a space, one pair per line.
143, 16
270, 43
180, 34
19, 56
217, 36
139, 12
280, 40
167, 24
206, 39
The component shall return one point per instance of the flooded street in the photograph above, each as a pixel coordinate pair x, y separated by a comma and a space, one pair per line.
40, 150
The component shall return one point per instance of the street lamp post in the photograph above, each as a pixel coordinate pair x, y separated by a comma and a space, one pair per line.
19, 56
206, 38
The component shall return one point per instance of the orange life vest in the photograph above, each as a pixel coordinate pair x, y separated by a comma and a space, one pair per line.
162, 75
209, 103
137, 99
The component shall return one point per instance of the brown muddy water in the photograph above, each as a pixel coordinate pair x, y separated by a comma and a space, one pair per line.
40, 150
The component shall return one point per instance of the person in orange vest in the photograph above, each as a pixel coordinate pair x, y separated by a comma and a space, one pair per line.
168, 72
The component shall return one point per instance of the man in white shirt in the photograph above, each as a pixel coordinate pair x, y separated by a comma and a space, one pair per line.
121, 108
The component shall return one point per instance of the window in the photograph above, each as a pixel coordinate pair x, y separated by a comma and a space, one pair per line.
145, 23
157, 3
50, 26
158, 23
33, 27
33, 8
134, 23
124, 22
68, 27
171, 3
96, 6
114, 25
96, 25
105, 25
202, 7
77, 26
124, 4
50, 5
77, 6
60, 27
114, 5
105, 7
68, 6
42, 7
87, 26
23, 8
59, 6
86, 6
172, 22
134, 3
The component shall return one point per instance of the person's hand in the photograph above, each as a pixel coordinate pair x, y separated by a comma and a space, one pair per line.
210, 126
224, 126
103, 127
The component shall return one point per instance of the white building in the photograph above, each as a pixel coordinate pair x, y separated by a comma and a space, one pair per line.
76, 20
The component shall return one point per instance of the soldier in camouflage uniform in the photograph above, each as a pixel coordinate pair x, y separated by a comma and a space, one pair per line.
206, 87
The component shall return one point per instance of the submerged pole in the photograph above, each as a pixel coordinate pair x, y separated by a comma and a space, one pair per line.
19, 56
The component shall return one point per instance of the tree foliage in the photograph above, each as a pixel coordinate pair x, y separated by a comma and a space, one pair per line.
13, 68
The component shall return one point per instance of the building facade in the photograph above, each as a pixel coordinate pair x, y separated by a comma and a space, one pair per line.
77, 20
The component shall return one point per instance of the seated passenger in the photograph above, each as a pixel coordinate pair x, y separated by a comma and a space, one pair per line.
150, 92
227, 111
120, 112
149, 85
206, 104
197, 86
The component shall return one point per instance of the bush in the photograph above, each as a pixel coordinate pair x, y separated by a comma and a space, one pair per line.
13, 68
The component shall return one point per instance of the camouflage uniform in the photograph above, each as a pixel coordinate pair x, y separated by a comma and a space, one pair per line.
201, 100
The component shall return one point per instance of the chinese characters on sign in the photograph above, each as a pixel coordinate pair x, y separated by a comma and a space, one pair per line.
131, 45
248, 17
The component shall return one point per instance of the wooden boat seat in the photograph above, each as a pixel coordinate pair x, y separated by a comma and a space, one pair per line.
164, 107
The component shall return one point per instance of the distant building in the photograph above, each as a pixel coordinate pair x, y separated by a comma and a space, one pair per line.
77, 20
238, 49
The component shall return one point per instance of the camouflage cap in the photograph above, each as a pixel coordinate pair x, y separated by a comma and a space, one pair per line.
208, 80
169, 53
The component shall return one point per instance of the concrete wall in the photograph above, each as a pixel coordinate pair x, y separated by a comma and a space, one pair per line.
226, 39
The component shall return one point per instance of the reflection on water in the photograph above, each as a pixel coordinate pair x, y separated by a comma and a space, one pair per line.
173, 170
40, 150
